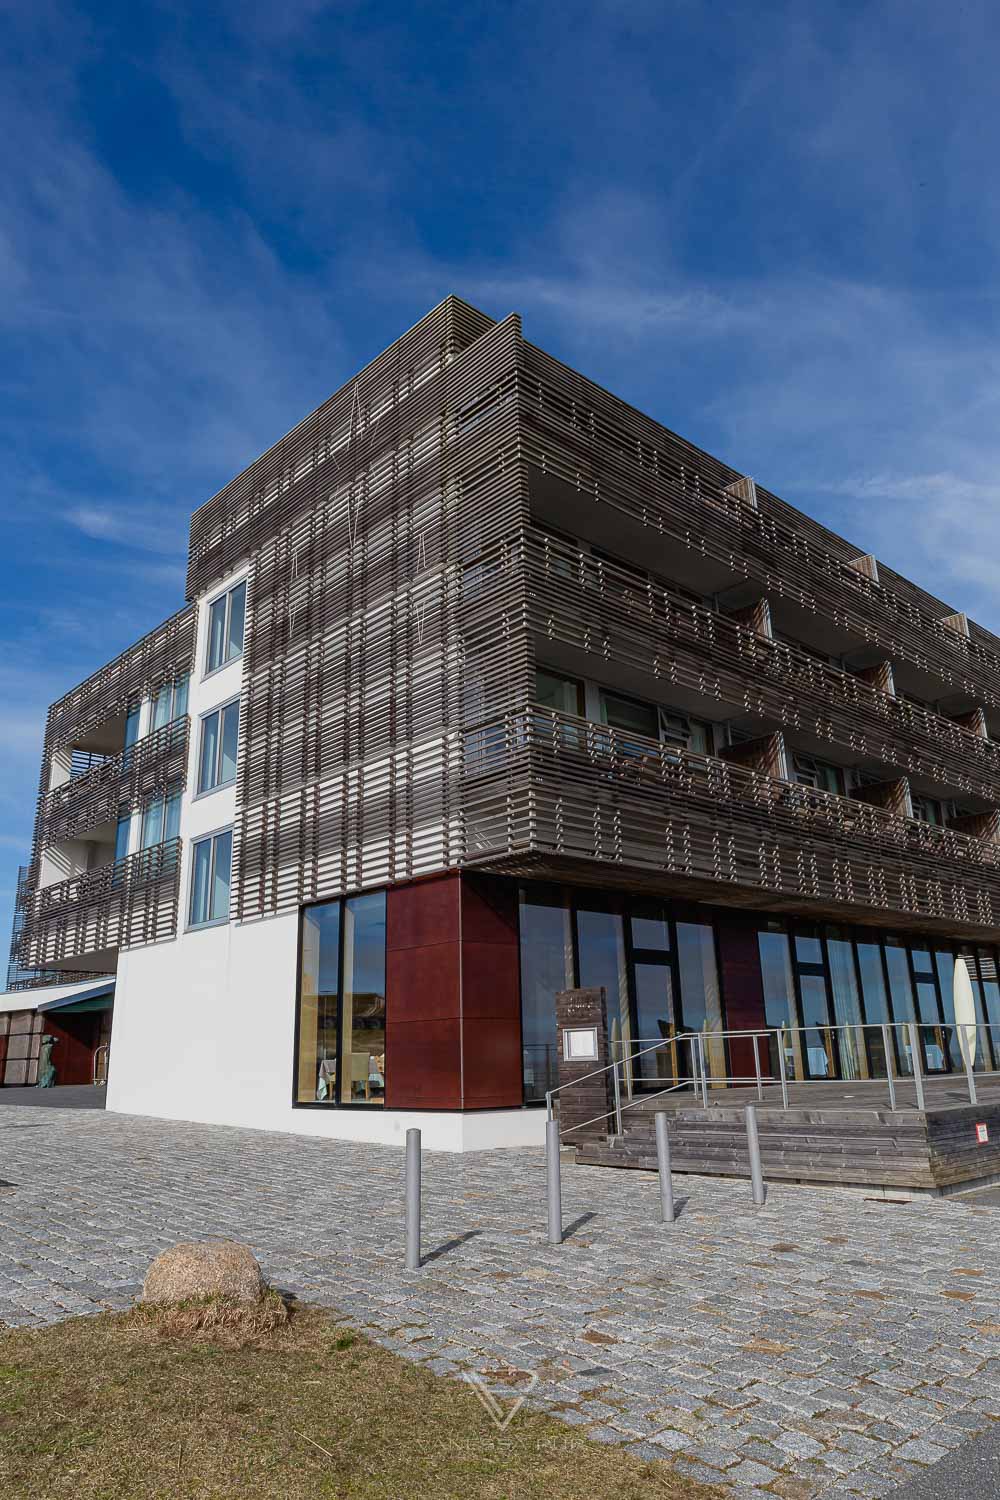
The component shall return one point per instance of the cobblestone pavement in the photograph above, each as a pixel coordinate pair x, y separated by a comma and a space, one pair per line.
827, 1345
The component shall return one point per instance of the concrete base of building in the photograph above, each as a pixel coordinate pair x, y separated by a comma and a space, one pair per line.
486, 1130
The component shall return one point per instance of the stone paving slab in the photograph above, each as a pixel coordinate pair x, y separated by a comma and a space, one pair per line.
827, 1345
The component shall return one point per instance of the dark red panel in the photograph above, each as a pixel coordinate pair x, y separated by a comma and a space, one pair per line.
490, 982
422, 984
742, 989
425, 912
423, 1064
489, 910
491, 1064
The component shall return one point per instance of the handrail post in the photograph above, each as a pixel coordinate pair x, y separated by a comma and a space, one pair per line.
553, 1182
663, 1166
413, 1200
704, 1070
918, 1073
753, 1147
781, 1067
969, 1059
756, 1064
887, 1047
549, 1113
618, 1098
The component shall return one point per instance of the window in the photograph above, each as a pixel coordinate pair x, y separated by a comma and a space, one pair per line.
170, 702
686, 733
161, 820
122, 831
546, 968
217, 757
211, 869
927, 810
628, 714
562, 694
225, 627
808, 771
342, 1007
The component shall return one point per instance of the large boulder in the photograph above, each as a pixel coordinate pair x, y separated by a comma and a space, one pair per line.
213, 1267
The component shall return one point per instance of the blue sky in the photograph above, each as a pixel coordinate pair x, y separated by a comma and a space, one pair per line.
775, 227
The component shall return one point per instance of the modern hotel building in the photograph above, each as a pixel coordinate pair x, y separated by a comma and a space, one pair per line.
488, 686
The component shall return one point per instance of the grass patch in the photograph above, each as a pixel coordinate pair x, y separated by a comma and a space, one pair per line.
206, 1400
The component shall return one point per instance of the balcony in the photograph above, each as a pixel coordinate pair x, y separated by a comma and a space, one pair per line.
550, 795
91, 916
582, 602
128, 779
663, 499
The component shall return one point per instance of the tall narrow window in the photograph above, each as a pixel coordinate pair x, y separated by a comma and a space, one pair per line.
217, 755
211, 868
170, 702
161, 820
226, 617
546, 968
342, 1005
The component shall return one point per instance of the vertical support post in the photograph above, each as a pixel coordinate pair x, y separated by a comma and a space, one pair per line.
413, 1200
969, 1058
781, 1067
918, 1072
887, 1048
704, 1070
663, 1166
618, 1097
553, 1182
756, 1065
753, 1147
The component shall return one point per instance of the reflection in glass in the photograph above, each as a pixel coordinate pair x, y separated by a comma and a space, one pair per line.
320, 966
650, 932
779, 999
362, 1012
654, 1004
701, 1000
847, 1008
818, 1040
901, 993
546, 968
875, 1004
601, 945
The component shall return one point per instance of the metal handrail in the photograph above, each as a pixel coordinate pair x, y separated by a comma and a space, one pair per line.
969, 1048
99, 1077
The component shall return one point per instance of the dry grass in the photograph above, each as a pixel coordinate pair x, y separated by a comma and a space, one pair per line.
191, 1402
213, 1319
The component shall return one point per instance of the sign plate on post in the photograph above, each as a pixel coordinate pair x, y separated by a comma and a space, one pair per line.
982, 1134
580, 1043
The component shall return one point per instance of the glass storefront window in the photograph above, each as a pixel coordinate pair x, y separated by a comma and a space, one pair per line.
701, 999
901, 993
652, 931
779, 998
546, 968
818, 1041
654, 1004
875, 1005
362, 1008
319, 992
342, 1006
601, 950
847, 1007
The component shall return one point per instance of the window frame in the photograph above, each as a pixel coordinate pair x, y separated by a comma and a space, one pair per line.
218, 708
336, 1103
209, 837
227, 594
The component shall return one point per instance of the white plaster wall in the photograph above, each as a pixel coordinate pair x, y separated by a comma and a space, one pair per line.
204, 1030
204, 1024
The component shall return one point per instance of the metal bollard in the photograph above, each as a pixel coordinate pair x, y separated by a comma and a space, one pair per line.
413, 1200
756, 1169
553, 1182
663, 1164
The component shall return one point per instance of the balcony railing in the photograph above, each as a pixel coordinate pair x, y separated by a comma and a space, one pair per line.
545, 787
643, 624
124, 781
130, 901
607, 452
